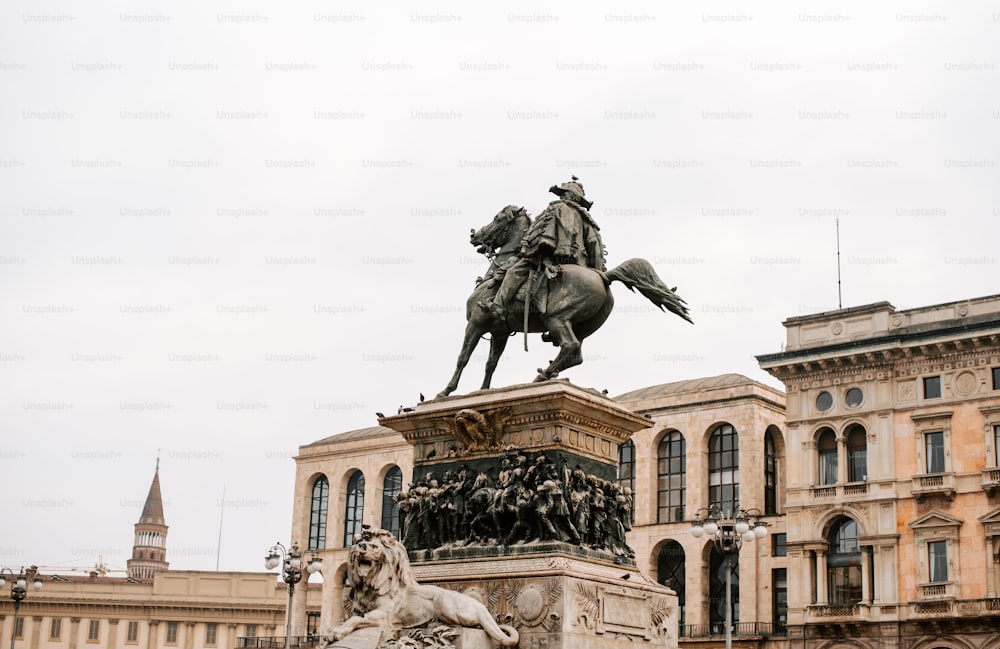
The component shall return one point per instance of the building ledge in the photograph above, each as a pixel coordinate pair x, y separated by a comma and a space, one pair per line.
991, 480
934, 484
840, 492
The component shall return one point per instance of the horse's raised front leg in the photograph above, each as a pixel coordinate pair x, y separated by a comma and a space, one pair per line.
473, 331
498, 341
570, 353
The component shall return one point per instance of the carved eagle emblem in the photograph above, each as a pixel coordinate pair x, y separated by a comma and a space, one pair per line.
480, 431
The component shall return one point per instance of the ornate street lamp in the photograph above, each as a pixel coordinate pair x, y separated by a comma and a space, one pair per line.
18, 591
291, 574
729, 530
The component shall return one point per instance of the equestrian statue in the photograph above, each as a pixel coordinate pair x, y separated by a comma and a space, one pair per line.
548, 276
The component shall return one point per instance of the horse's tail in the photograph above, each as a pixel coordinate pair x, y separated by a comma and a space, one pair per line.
639, 274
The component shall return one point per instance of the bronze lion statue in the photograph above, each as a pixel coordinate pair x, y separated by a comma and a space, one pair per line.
385, 594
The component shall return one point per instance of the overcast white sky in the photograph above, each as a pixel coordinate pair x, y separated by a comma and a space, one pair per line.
232, 228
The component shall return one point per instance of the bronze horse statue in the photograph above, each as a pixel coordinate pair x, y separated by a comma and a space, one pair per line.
579, 300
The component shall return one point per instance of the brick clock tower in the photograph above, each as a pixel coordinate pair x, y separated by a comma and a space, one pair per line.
149, 550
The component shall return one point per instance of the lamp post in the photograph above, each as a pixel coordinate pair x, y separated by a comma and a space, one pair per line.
291, 574
18, 591
729, 530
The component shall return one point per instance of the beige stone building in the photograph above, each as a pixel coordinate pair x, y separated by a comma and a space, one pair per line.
893, 515
715, 440
175, 609
153, 607
719, 437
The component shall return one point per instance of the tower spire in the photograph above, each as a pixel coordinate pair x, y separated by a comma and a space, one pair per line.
149, 549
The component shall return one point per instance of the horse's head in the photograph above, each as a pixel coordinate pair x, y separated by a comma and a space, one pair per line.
498, 232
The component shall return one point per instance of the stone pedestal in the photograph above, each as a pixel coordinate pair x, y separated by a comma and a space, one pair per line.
557, 594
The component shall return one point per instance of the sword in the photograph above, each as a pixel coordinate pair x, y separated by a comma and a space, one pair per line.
533, 278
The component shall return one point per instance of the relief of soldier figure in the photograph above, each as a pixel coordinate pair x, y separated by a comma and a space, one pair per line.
549, 276
533, 498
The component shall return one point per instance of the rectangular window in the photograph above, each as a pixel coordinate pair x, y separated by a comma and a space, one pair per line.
996, 378
778, 548
937, 561
132, 632
779, 588
94, 631
252, 630
211, 633
996, 445
312, 623
932, 387
172, 632
55, 628
19, 628
828, 466
934, 443
857, 464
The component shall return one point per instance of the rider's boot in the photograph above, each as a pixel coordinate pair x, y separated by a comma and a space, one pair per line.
495, 307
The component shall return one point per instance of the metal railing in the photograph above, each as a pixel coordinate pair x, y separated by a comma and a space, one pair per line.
277, 642
740, 629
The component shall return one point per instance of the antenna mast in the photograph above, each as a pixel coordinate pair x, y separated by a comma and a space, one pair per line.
840, 303
222, 510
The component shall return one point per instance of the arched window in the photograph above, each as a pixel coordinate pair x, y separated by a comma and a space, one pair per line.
317, 513
718, 564
391, 487
724, 468
626, 465
857, 454
671, 477
770, 475
670, 572
826, 445
354, 511
843, 563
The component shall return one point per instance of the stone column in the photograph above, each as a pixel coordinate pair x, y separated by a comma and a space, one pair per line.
809, 474
991, 567
74, 632
821, 577
189, 635
330, 608
153, 641
231, 635
36, 630
841, 460
112, 632
887, 574
866, 577
877, 596
298, 603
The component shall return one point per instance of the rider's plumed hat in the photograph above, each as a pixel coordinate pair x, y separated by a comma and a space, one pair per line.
572, 187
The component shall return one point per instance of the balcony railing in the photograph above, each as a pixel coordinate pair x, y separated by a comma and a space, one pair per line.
934, 484
740, 629
991, 480
941, 590
848, 491
856, 489
277, 642
835, 610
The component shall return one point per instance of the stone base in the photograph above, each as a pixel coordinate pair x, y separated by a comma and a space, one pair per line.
556, 594
367, 638
547, 548
563, 602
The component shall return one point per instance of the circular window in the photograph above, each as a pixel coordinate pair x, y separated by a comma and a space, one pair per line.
854, 397
824, 401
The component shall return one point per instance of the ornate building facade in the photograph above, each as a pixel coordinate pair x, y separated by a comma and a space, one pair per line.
705, 431
893, 512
